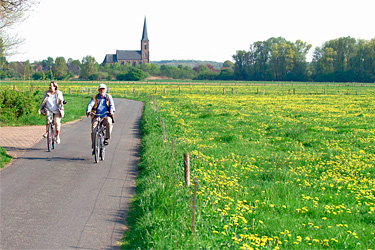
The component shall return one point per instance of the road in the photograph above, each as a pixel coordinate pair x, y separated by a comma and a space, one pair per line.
63, 199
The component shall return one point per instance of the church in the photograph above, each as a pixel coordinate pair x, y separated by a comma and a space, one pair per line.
133, 57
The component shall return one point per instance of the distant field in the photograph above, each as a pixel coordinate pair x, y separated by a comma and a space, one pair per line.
279, 165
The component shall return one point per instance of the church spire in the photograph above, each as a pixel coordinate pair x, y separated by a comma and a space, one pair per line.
144, 35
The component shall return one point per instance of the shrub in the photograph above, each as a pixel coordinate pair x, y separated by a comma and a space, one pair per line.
15, 104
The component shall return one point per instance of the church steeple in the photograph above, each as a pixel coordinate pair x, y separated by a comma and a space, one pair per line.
145, 50
144, 35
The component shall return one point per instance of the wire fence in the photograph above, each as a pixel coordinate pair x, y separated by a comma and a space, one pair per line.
129, 89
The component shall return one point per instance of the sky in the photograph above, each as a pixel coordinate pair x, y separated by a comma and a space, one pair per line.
209, 30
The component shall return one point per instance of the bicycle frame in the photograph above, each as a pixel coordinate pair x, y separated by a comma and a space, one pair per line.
99, 148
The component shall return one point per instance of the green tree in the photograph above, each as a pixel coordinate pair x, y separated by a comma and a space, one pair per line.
48, 63
228, 64
260, 53
89, 67
27, 70
74, 66
242, 64
60, 69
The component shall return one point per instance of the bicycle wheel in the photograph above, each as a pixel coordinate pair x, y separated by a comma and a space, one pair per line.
49, 138
102, 153
53, 136
96, 147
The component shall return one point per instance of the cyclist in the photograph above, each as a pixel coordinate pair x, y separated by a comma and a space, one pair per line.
53, 100
100, 104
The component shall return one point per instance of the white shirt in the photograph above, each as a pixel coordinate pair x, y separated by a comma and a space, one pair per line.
52, 105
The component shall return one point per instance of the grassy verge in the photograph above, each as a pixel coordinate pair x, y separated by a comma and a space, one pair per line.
4, 157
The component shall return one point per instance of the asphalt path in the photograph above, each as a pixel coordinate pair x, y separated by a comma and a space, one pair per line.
63, 199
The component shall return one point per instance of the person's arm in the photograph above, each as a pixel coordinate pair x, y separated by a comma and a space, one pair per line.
41, 106
89, 106
111, 106
61, 98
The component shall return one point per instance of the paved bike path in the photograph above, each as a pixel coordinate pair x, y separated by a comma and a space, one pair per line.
63, 199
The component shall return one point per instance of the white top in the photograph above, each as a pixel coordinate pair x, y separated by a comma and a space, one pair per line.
52, 105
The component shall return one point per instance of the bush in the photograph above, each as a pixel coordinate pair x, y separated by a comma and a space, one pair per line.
15, 104
134, 74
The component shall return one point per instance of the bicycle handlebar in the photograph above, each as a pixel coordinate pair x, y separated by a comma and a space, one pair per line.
91, 113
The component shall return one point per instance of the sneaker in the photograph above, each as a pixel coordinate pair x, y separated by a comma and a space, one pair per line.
58, 140
106, 142
45, 135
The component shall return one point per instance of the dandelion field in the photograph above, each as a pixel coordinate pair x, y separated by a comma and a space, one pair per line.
278, 166
275, 171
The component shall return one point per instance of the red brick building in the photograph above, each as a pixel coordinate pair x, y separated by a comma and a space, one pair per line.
133, 57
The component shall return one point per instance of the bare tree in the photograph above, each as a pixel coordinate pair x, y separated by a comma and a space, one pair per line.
12, 12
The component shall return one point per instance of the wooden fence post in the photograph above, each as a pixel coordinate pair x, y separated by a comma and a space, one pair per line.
187, 169
194, 207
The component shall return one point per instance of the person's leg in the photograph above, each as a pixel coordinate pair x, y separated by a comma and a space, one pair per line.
108, 123
57, 122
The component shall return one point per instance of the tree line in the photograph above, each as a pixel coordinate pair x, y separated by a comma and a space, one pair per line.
89, 69
276, 59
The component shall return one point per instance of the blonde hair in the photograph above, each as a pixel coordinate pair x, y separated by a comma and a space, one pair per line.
55, 84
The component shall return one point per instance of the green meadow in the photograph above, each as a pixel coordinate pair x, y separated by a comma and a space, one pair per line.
274, 165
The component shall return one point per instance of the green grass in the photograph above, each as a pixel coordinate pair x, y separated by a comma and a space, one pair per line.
4, 157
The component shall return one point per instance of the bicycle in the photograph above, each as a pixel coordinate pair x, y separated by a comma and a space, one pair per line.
50, 130
99, 147
51, 134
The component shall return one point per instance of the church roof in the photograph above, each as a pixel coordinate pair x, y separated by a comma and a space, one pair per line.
110, 58
128, 55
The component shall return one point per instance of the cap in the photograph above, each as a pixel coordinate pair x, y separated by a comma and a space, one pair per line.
102, 86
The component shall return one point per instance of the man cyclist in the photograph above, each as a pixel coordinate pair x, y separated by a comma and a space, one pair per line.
100, 104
